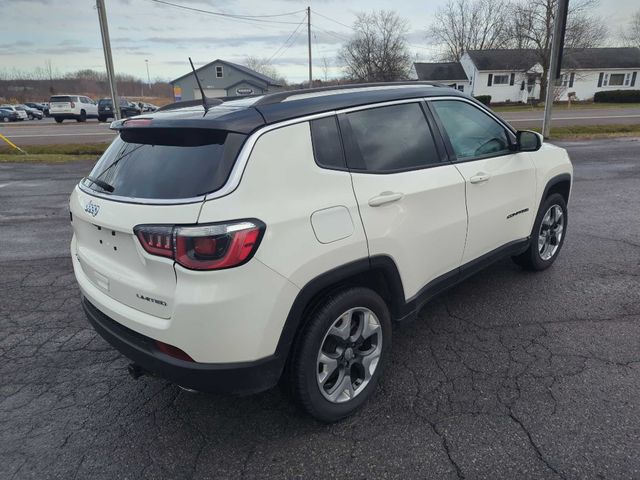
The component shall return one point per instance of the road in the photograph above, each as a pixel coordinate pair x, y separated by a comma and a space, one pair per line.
508, 375
47, 132
563, 117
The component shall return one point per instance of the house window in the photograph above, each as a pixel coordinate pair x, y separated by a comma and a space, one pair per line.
218, 72
616, 79
565, 80
501, 79
627, 79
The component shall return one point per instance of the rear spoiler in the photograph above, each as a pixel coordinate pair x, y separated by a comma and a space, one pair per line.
189, 103
245, 121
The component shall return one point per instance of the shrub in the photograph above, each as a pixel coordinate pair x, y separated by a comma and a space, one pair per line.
617, 96
484, 99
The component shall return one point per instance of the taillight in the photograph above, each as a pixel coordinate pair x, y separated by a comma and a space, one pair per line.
203, 247
156, 239
73, 105
137, 122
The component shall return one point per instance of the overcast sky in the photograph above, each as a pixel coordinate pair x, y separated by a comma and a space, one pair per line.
67, 33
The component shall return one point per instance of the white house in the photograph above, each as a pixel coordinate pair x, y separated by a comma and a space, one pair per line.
514, 75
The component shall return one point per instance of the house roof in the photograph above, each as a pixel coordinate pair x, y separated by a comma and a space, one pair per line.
242, 68
579, 58
574, 58
440, 71
503, 59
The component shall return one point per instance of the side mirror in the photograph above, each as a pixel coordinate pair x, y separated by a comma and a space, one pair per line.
528, 141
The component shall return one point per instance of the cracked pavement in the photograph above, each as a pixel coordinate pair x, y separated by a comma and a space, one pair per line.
507, 375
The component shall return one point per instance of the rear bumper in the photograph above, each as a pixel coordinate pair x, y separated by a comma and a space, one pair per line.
239, 378
65, 116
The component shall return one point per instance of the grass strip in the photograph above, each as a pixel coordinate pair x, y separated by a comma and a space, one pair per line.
86, 149
562, 107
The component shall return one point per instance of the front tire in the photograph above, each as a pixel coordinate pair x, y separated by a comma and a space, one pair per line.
339, 357
59, 120
547, 237
83, 117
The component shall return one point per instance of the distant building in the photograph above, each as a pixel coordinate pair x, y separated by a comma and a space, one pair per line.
223, 79
514, 75
448, 73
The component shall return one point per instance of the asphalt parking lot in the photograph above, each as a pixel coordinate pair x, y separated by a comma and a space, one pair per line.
48, 132
508, 375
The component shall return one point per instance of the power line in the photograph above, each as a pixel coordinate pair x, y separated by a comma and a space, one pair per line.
253, 18
333, 34
286, 44
333, 20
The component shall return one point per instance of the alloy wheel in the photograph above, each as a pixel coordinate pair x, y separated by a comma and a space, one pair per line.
349, 355
551, 231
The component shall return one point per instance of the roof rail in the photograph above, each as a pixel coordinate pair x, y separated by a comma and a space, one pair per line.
277, 97
189, 103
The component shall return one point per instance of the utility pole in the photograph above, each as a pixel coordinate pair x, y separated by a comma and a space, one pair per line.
148, 76
555, 63
309, 43
108, 60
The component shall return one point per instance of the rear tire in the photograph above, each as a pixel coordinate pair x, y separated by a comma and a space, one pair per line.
5, 119
58, 120
547, 237
340, 355
102, 119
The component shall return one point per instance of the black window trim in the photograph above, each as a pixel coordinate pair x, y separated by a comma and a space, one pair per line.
510, 131
351, 149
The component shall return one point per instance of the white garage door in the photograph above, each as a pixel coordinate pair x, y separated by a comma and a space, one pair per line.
210, 93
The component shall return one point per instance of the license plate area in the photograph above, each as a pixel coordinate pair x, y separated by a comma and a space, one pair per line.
114, 263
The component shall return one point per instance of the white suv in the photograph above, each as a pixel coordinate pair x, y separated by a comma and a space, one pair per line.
280, 236
75, 107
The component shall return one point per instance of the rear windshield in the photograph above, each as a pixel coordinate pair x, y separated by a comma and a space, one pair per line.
60, 99
166, 164
104, 101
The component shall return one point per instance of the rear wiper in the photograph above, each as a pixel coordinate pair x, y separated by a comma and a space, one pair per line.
102, 184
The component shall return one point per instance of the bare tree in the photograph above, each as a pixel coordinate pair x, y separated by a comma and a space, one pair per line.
631, 35
532, 28
463, 25
325, 69
263, 66
378, 50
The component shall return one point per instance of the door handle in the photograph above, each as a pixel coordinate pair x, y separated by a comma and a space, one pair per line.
384, 198
480, 178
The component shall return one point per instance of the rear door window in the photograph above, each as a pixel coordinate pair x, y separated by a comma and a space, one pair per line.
166, 164
391, 139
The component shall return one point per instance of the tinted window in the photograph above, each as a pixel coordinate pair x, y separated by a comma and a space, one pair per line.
105, 102
166, 163
392, 138
472, 132
60, 99
327, 146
